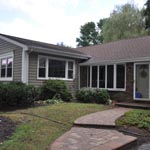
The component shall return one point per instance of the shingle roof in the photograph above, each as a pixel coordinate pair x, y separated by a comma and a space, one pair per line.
129, 50
37, 44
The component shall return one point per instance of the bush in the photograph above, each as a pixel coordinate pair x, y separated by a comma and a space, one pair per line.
87, 95
51, 88
17, 94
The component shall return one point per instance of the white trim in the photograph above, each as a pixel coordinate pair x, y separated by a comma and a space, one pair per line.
105, 76
3, 56
97, 76
79, 86
115, 77
25, 66
134, 85
6, 79
90, 76
56, 58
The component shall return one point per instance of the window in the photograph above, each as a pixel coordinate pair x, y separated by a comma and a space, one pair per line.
70, 70
102, 76
94, 76
54, 68
6, 67
110, 76
42, 67
120, 77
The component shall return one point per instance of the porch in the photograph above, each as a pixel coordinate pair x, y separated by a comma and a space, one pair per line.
124, 81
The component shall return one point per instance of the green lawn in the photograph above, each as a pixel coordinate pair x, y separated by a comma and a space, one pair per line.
36, 133
139, 118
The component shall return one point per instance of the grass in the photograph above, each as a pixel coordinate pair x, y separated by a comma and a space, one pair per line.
139, 118
36, 133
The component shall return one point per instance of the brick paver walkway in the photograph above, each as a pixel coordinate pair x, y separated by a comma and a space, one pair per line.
79, 138
103, 118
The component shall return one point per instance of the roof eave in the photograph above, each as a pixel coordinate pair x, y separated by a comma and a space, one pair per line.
58, 52
139, 59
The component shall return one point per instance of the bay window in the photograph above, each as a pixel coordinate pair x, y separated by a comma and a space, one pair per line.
55, 68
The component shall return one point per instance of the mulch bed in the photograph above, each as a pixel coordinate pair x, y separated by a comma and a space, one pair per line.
7, 128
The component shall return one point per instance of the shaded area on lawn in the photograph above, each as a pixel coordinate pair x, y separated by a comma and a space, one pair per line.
7, 128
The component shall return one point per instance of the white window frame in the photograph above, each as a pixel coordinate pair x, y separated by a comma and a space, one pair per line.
115, 77
6, 56
55, 58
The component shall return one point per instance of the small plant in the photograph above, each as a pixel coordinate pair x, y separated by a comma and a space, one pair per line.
87, 95
51, 88
139, 118
55, 100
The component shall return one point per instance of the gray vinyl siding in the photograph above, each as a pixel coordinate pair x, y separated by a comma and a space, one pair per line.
33, 58
17, 65
6, 47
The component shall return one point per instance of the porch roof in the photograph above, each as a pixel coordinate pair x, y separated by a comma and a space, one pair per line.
129, 50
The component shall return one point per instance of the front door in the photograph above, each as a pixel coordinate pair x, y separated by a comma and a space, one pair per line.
142, 82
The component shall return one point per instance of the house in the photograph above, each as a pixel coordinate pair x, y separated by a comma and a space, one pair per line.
121, 67
33, 62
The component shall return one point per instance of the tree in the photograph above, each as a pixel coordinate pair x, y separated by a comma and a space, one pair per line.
89, 35
147, 14
100, 25
126, 21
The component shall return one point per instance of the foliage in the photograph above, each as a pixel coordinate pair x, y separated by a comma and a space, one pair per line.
87, 95
36, 133
53, 87
126, 21
147, 14
55, 100
17, 94
88, 35
100, 25
140, 118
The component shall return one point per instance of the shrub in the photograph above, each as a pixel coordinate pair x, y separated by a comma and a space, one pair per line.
17, 94
54, 87
87, 95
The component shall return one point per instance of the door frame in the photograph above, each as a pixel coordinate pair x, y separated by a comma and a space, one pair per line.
134, 85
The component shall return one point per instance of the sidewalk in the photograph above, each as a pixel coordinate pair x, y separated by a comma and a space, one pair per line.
81, 138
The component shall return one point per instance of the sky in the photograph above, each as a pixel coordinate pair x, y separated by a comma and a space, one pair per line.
53, 21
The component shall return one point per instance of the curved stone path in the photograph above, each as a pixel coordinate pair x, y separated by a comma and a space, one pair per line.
80, 138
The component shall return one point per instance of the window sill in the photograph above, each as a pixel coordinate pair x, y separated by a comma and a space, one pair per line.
64, 79
6, 79
115, 90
